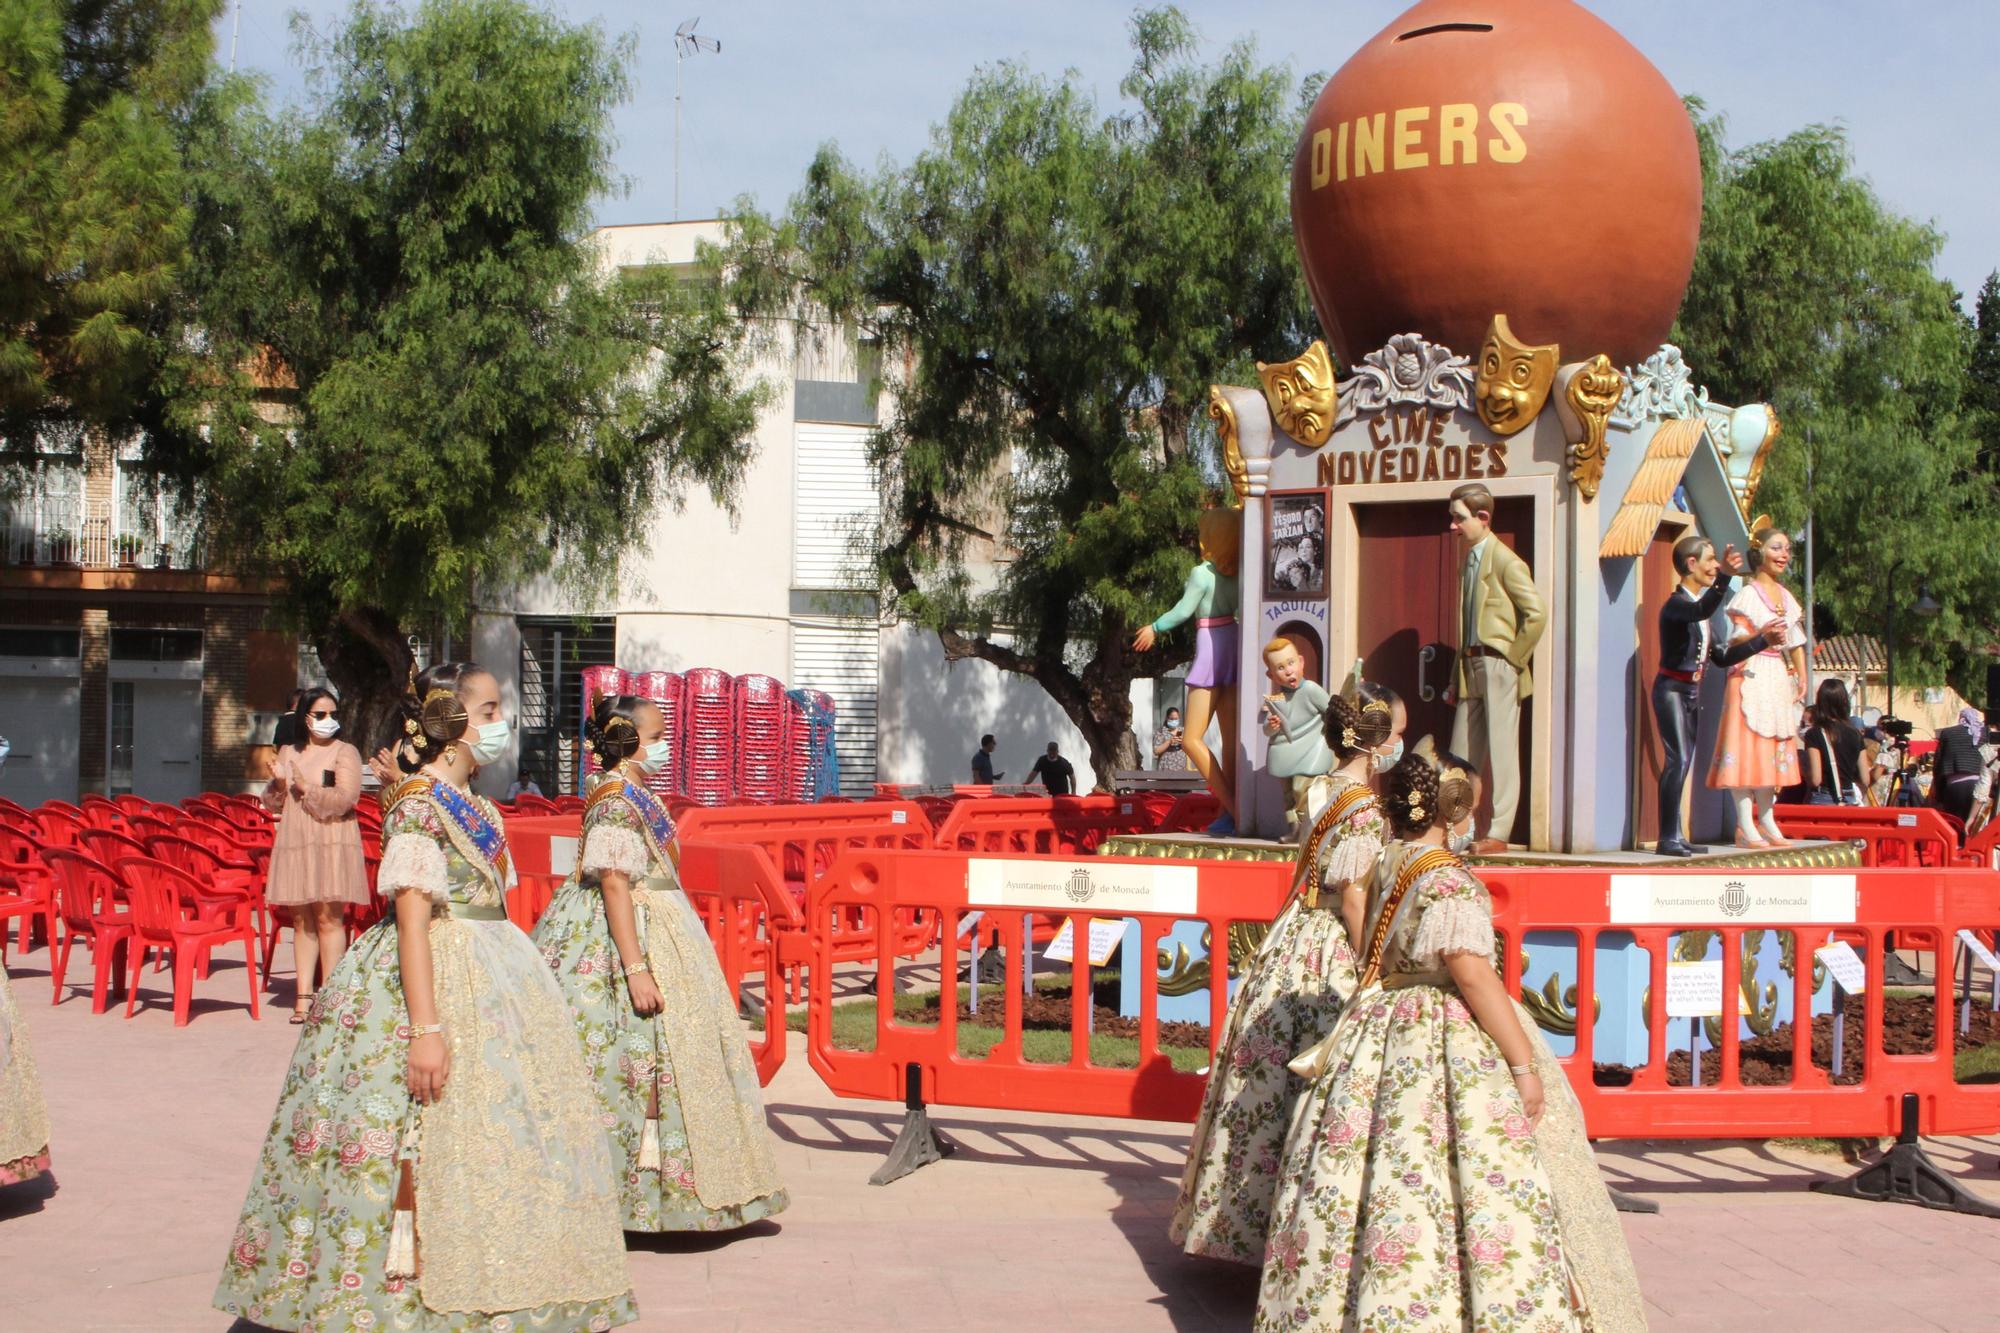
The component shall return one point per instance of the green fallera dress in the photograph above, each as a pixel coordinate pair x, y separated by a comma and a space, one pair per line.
1289, 997
1414, 1194
24, 1118
704, 1164
495, 1208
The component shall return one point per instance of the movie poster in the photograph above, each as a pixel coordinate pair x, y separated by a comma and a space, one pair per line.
1295, 555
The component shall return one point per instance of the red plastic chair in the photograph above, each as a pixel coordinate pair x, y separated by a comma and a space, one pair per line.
27, 890
166, 914
107, 845
62, 807
569, 805
133, 805
226, 893
148, 826
528, 804
101, 812
59, 827
14, 807
86, 890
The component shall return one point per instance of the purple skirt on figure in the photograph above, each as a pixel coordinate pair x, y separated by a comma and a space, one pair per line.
1215, 645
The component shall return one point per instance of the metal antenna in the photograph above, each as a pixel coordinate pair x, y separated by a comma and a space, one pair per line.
687, 43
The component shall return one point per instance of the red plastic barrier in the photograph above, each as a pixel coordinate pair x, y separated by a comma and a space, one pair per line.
1191, 812
736, 891
1892, 835
1041, 825
1940, 902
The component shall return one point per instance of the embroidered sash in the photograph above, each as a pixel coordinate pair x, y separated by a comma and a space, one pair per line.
1310, 874
654, 821
466, 822
1435, 858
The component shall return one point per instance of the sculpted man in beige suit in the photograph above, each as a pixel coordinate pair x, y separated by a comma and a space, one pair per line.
1501, 618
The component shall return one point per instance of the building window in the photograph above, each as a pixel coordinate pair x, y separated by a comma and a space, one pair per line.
555, 651
156, 645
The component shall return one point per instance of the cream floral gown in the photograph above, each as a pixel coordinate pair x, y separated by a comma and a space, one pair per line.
703, 1163
1414, 1194
509, 1198
24, 1119
1288, 998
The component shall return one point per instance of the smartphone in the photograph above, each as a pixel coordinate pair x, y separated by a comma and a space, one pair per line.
326, 778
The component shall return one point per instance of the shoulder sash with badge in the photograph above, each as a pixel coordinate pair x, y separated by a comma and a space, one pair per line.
1434, 858
654, 821
478, 839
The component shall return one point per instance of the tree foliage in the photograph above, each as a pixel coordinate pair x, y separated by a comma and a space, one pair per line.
1060, 286
1811, 294
474, 401
94, 218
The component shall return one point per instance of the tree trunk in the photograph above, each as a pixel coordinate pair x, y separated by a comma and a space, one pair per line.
367, 659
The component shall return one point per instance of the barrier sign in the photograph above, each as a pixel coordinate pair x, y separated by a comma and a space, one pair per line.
1104, 938
1845, 966
562, 857
1694, 990
1979, 949
1067, 885
1728, 900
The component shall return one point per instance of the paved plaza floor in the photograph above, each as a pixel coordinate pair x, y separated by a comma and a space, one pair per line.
1038, 1222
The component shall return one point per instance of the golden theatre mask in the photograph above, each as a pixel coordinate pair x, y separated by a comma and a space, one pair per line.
1514, 378
1301, 394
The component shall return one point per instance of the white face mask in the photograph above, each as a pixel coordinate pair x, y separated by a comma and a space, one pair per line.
326, 728
1385, 762
653, 758
1460, 842
488, 741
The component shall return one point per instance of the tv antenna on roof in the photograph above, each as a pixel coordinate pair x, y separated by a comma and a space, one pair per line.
687, 42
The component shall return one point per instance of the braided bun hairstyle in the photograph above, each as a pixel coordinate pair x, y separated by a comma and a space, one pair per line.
1355, 726
430, 717
1424, 794
612, 730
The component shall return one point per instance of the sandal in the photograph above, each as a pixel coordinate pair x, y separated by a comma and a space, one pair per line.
299, 1017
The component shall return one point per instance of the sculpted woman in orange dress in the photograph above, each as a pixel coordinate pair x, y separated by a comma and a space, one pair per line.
1756, 750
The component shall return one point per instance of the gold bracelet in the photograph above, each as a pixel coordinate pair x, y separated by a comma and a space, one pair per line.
425, 1030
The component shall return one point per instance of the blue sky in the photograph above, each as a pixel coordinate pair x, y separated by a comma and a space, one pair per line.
1912, 86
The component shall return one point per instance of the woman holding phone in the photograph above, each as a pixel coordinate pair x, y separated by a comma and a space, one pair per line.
317, 867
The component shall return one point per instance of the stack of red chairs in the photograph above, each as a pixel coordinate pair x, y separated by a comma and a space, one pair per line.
709, 736
762, 734
664, 688
607, 681
27, 889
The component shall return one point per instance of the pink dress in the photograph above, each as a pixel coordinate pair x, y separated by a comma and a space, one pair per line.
316, 856
1757, 742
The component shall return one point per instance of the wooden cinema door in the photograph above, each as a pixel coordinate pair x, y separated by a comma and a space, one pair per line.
1406, 614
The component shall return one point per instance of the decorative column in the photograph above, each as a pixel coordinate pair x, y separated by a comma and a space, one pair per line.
1243, 419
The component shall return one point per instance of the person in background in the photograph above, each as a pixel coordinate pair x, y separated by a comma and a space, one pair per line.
1055, 772
523, 785
1168, 755
982, 762
1955, 771
317, 866
1838, 769
287, 730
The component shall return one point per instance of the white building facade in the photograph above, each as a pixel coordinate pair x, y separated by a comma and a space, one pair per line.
771, 591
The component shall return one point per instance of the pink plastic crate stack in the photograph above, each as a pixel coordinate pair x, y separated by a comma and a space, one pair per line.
761, 733
664, 689
708, 736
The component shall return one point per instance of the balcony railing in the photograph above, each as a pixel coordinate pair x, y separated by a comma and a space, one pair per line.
67, 534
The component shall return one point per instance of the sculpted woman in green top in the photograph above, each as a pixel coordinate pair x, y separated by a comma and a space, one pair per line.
1210, 598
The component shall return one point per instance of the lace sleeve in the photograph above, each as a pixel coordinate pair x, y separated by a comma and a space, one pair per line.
1457, 919
1353, 855
611, 842
414, 861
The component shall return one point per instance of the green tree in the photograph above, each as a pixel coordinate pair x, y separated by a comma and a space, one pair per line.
1983, 393
1811, 294
1062, 286
449, 394
94, 221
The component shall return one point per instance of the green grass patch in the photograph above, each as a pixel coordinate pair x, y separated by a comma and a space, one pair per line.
1980, 1064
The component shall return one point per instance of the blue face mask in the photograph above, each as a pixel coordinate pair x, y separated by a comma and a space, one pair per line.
1385, 762
488, 741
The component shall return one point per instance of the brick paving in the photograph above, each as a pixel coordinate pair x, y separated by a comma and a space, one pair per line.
1037, 1221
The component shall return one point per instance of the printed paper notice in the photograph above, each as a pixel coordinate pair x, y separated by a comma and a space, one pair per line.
562, 857
1064, 886
1104, 938
1845, 966
1979, 949
1746, 898
1694, 990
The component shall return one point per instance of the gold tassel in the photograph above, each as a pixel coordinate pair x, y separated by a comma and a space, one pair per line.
649, 1146
401, 1260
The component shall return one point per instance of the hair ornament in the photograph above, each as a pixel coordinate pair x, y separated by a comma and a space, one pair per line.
1348, 739
1417, 810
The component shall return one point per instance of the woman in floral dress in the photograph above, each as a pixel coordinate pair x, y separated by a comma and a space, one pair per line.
1289, 995
665, 1050
436, 1162
24, 1118
1756, 745
1436, 1175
